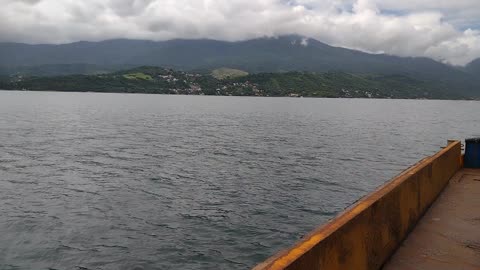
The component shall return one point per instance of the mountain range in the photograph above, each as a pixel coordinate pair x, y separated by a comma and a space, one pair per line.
280, 54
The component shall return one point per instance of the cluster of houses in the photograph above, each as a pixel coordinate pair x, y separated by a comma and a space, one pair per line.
187, 84
193, 89
237, 87
347, 93
168, 78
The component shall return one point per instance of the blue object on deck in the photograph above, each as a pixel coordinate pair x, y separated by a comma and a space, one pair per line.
472, 153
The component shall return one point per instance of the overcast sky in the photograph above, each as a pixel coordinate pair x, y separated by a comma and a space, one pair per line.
446, 30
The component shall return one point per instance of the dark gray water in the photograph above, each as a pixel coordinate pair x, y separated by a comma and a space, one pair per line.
118, 181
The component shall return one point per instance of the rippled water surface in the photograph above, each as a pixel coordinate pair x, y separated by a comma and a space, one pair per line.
122, 181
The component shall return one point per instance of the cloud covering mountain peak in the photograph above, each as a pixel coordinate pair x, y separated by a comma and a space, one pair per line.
443, 30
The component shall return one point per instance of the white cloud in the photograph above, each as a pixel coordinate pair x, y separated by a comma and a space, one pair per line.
441, 29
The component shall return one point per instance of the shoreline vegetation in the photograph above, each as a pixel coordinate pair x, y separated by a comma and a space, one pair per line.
232, 82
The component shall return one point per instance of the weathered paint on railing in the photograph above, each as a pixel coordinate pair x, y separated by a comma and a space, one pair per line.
366, 234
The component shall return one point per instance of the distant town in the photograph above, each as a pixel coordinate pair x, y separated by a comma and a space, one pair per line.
232, 82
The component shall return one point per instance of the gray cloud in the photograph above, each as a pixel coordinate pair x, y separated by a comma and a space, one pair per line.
442, 29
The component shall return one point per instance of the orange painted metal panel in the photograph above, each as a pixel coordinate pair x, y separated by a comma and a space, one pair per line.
366, 234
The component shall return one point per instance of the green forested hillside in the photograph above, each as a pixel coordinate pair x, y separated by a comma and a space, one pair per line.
280, 54
307, 84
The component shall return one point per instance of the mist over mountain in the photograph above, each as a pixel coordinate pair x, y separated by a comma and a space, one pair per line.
281, 54
284, 53
474, 67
